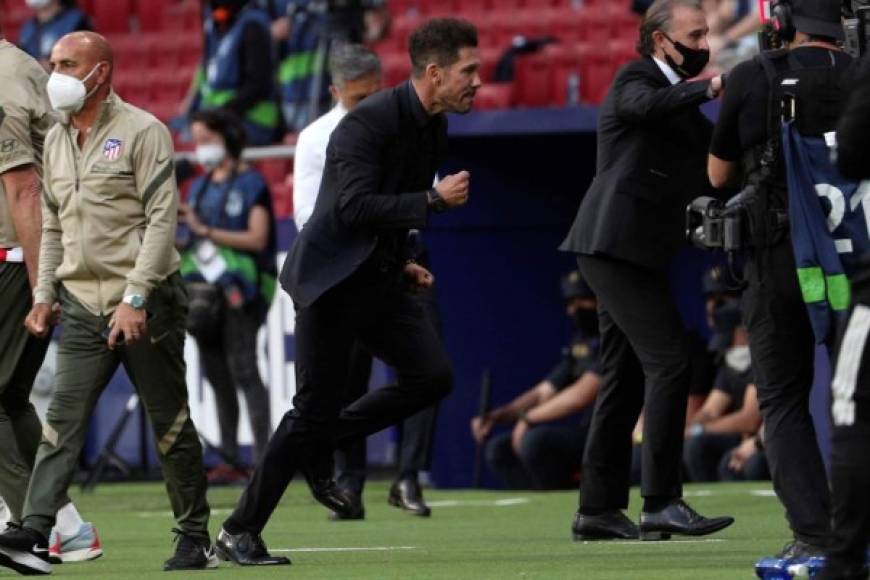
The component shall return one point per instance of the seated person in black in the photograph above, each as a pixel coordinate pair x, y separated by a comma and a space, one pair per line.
539, 452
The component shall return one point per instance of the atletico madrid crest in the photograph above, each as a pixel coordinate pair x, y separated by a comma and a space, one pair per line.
112, 149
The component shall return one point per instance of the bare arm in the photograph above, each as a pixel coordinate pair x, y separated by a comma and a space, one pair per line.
721, 173
572, 399
254, 239
23, 193
745, 420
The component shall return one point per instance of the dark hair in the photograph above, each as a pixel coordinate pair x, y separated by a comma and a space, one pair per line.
658, 17
225, 124
439, 41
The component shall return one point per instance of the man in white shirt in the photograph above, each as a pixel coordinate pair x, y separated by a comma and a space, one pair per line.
356, 74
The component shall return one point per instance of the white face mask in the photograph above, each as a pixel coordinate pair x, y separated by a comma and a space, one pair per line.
67, 93
209, 155
37, 4
738, 358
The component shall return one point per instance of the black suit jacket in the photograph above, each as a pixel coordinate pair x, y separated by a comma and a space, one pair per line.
652, 161
380, 162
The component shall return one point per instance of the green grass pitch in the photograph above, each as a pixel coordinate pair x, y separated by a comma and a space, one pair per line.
471, 535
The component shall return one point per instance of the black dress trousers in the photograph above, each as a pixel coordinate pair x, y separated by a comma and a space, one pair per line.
644, 364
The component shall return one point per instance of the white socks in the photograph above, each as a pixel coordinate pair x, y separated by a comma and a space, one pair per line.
68, 520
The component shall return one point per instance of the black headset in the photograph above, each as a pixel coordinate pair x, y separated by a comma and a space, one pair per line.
781, 18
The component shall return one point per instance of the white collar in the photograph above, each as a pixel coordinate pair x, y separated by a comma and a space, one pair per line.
672, 76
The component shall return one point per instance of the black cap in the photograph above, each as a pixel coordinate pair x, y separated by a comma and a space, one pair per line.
818, 17
718, 280
573, 286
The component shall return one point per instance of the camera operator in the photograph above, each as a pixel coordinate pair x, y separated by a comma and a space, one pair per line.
850, 472
781, 336
853, 131
651, 140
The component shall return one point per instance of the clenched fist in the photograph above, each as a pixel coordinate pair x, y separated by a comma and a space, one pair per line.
453, 189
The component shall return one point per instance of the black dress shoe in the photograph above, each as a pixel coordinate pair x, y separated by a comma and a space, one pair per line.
611, 525
798, 549
406, 494
246, 549
679, 518
355, 511
318, 475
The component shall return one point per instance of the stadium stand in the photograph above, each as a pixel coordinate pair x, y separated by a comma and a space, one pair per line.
158, 47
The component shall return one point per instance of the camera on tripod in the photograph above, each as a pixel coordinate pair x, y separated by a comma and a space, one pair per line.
712, 224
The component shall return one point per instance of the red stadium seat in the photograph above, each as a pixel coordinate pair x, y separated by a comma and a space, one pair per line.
598, 69
275, 170
282, 198
488, 61
150, 13
185, 16
438, 7
397, 68
112, 15
567, 69
494, 96
534, 75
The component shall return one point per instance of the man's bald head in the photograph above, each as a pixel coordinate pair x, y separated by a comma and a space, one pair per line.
86, 46
88, 57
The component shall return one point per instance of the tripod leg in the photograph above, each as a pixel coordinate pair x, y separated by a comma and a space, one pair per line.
108, 454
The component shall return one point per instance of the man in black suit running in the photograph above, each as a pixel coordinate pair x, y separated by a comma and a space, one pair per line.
350, 275
652, 143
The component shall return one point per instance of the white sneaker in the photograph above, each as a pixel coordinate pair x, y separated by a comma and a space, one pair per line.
81, 547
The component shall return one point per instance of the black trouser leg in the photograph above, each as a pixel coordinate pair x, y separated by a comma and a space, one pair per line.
380, 313
217, 371
350, 459
504, 463
398, 332
240, 339
324, 337
703, 453
850, 469
642, 336
783, 350
551, 454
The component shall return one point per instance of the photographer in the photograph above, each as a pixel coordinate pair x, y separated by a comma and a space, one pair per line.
781, 336
651, 139
229, 268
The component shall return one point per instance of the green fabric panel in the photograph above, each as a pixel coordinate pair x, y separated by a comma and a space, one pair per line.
188, 266
239, 264
296, 66
812, 282
268, 284
839, 292
212, 99
265, 114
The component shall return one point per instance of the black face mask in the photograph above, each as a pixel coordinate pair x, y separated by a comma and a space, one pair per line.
586, 321
694, 60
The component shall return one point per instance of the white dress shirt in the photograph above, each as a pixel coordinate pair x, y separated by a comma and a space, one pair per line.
308, 163
673, 77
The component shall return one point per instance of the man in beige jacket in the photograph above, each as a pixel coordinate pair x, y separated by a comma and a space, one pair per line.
109, 210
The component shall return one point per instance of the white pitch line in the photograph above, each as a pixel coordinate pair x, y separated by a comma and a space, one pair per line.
508, 501
369, 549
653, 543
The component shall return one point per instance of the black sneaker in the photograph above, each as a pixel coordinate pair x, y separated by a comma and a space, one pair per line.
24, 550
191, 553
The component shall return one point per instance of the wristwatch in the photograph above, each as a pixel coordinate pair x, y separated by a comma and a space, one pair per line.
137, 301
435, 202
